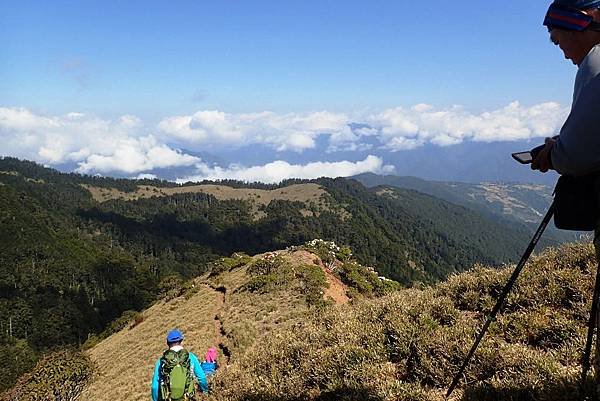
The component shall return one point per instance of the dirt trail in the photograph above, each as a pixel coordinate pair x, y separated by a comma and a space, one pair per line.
337, 289
219, 332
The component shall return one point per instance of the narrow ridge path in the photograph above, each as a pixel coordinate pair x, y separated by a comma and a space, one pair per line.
219, 332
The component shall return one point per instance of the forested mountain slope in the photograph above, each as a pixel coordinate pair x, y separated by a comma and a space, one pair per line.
74, 256
521, 202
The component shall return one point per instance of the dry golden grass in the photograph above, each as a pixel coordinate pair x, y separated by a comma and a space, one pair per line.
409, 344
247, 317
232, 280
305, 193
125, 361
297, 192
406, 345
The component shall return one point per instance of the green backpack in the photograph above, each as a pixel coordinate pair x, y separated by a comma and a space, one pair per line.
176, 381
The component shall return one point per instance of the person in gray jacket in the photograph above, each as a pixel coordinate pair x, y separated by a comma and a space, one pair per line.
574, 26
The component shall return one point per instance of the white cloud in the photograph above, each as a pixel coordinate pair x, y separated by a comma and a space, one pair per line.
96, 145
395, 129
294, 132
407, 128
422, 107
400, 143
75, 116
125, 144
145, 176
133, 155
280, 170
130, 121
21, 119
298, 141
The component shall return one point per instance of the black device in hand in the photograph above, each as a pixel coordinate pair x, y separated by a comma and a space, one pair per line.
528, 156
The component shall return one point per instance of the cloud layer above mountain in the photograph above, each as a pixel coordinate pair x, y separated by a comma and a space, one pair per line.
127, 145
393, 129
279, 170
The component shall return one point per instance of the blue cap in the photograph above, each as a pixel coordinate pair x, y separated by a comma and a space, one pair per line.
174, 336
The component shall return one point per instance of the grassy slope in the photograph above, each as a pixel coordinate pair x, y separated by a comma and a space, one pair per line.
126, 359
408, 345
522, 202
243, 316
305, 193
403, 346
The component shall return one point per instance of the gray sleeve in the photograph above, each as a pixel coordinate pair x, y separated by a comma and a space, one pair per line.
577, 149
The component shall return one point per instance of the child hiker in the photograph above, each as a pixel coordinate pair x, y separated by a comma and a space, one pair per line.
209, 365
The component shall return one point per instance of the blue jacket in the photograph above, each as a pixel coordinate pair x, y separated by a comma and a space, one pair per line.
196, 368
209, 368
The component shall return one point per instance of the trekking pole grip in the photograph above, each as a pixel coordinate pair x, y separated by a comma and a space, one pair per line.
503, 296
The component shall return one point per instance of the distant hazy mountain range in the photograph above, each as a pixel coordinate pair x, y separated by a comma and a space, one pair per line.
523, 203
470, 162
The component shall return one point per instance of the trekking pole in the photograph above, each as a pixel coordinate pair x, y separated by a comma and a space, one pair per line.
585, 362
503, 295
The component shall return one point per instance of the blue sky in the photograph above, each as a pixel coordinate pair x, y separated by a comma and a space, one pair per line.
240, 56
154, 61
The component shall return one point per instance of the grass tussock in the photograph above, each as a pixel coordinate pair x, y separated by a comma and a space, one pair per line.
408, 345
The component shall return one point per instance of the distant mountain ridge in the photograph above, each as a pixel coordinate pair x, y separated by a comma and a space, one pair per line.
519, 202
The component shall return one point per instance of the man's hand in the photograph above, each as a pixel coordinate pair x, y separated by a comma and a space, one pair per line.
543, 162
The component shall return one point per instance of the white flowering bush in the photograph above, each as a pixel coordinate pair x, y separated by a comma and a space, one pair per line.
329, 251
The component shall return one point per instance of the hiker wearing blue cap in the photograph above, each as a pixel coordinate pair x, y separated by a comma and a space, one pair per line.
176, 371
574, 26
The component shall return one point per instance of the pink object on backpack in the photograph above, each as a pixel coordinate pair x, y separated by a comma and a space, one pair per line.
211, 355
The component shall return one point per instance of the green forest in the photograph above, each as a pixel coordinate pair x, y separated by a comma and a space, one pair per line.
69, 265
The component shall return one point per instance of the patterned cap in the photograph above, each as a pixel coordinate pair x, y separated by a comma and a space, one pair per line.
568, 15
578, 4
